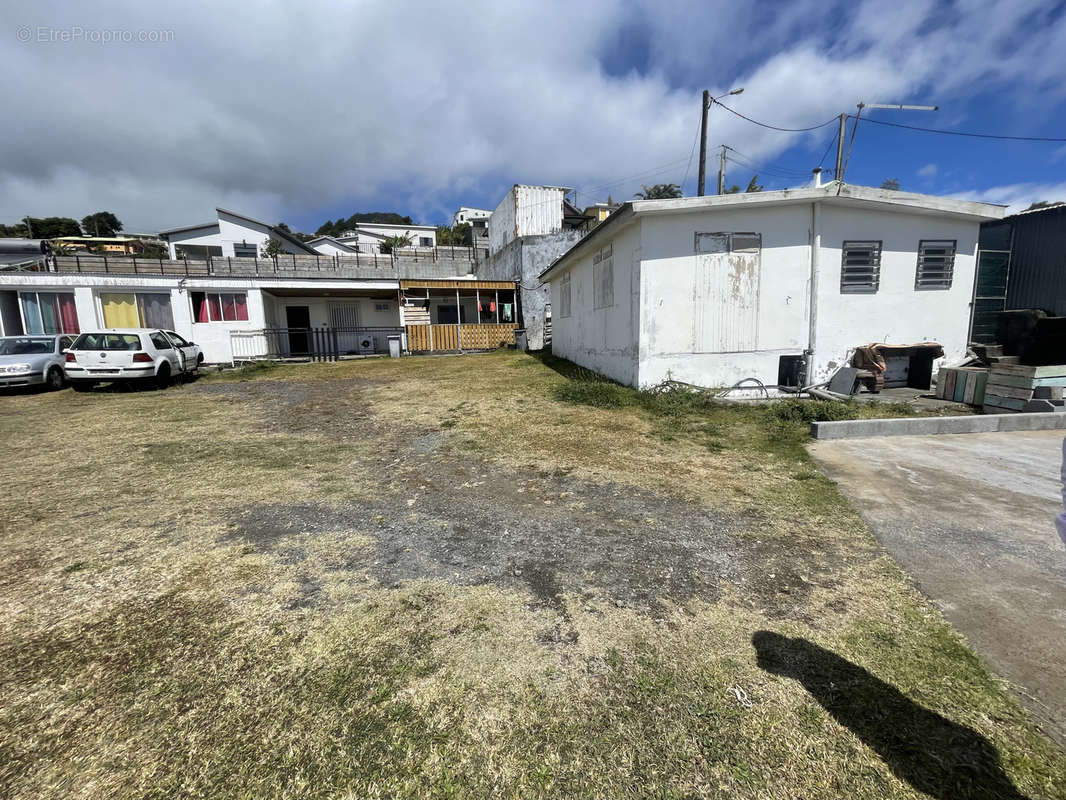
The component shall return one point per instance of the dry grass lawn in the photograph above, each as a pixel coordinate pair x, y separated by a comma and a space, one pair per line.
472, 576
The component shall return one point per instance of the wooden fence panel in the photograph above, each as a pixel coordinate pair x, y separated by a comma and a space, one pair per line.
440, 338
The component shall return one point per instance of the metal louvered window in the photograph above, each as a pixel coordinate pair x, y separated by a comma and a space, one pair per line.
936, 264
564, 295
860, 267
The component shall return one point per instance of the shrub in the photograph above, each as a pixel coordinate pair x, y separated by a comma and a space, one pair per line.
794, 410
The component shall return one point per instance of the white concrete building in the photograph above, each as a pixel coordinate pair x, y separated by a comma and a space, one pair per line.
468, 214
328, 246
374, 233
231, 235
239, 317
713, 290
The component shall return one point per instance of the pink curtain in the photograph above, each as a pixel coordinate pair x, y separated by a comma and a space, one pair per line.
199, 306
68, 313
228, 312
216, 307
240, 304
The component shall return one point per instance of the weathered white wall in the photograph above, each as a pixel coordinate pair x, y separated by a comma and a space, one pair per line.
898, 313
602, 339
526, 211
367, 316
674, 306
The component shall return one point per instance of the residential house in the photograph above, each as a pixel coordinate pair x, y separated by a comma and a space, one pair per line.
778, 286
329, 246
236, 310
118, 245
231, 235
467, 214
597, 213
529, 229
1020, 265
368, 236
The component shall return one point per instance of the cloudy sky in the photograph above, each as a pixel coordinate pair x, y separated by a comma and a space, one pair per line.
308, 111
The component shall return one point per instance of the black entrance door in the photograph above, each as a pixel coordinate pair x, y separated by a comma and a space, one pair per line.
298, 321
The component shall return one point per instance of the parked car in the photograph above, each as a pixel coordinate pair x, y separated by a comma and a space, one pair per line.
32, 360
133, 354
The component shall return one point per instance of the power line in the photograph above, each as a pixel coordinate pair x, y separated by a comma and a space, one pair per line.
828, 147
958, 133
748, 162
775, 127
695, 139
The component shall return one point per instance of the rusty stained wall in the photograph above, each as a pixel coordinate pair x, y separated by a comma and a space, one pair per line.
523, 260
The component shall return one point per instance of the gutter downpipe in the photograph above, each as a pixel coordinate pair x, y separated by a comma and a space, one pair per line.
812, 300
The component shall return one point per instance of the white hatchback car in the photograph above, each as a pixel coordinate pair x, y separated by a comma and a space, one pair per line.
133, 354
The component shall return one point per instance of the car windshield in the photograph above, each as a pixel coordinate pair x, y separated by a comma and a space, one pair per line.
107, 341
22, 346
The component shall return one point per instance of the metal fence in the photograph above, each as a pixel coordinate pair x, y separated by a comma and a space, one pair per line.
326, 343
450, 258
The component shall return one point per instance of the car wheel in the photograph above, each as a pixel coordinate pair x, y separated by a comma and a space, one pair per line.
81, 386
55, 378
162, 378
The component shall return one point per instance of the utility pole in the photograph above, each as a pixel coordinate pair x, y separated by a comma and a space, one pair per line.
703, 145
721, 172
29, 228
838, 173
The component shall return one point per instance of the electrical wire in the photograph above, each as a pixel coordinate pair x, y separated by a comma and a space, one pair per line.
774, 127
695, 139
829, 147
960, 133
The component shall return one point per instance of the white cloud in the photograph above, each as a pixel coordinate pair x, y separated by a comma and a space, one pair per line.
282, 111
928, 171
1018, 196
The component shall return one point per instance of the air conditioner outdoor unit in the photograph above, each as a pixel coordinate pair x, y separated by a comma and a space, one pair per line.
366, 344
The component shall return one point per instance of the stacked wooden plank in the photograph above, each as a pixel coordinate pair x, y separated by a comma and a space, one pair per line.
1011, 386
962, 384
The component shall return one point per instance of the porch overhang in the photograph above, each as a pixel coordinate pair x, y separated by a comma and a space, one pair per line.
458, 283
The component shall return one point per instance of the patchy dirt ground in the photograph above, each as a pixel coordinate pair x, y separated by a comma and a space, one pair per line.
449, 577
460, 519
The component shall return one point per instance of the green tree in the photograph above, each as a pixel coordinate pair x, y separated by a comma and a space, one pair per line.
53, 227
753, 184
734, 189
890, 183
272, 249
102, 223
660, 191
153, 250
393, 243
460, 235
16, 231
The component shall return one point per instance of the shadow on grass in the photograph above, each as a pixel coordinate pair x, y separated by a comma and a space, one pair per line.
933, 754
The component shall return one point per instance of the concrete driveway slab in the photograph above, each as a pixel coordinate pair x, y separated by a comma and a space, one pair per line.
971, 518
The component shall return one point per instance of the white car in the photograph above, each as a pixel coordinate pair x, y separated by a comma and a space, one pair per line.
129, 354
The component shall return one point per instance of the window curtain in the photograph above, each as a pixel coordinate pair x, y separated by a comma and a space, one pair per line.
31, 313
228, 311
120, 311
47, 302
240, 304
215, 305
155, 311
68, 313
199, 306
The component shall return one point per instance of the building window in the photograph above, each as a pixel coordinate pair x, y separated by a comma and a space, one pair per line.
860, 267
381, 306
425, 241
129, 310
936, 264
729, 242
603, 278
564, 295
244, 250
219, 307
49, 312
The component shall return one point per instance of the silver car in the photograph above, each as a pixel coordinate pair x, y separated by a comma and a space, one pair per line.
33, 360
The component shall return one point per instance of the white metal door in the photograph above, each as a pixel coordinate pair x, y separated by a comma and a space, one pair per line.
345, 318
726, 294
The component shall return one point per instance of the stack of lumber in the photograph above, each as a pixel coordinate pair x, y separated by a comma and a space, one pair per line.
1011, 386
962, 384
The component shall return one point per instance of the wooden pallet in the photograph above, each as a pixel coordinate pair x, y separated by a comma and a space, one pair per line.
962, 384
